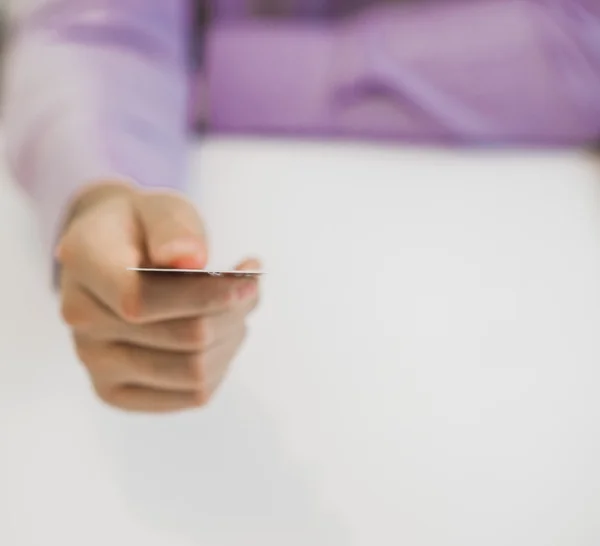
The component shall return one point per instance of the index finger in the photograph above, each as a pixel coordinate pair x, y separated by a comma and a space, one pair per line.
100, 248
97, 250
169, 295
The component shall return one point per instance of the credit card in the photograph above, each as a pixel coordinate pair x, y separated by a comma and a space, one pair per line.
211, 272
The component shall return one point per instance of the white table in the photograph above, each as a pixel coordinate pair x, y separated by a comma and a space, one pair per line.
424, 369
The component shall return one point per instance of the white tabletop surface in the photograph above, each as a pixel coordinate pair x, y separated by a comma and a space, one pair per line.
424, 369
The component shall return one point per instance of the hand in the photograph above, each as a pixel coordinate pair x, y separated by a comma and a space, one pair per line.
150, 342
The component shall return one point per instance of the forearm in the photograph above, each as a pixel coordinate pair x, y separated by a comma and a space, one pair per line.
95, 89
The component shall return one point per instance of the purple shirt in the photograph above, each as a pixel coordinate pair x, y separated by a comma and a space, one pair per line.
101, 88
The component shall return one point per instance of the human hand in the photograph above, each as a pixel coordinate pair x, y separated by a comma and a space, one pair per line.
150, 342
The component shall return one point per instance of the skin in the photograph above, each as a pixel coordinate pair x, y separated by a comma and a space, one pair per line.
150, 342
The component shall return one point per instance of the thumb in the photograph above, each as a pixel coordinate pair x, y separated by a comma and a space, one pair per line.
249, 264
173, 231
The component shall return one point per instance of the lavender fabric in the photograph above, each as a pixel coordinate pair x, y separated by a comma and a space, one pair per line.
109, 88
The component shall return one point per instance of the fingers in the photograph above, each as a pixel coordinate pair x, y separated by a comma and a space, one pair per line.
249, 264
98, 248
173, 231
140, 379
151, 341
122, 364
143, 399
150, 297
113, 365
164, 296
86, 315
156, 367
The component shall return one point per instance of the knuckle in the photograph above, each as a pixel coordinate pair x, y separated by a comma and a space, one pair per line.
171, 199
136, 364
107, 395
197, 371
93, 360
71, 313
129, 306
194, 333
64, 251
224, 299
230, 300
85, 354
200, 398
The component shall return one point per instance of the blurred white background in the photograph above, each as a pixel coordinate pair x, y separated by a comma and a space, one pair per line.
423, 371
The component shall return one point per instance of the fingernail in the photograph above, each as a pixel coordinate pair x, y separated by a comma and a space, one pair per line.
188, 263
182, 253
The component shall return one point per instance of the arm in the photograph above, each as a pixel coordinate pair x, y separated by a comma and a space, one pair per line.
94, 90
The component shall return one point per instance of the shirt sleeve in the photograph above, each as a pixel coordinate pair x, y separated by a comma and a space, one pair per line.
93, 90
